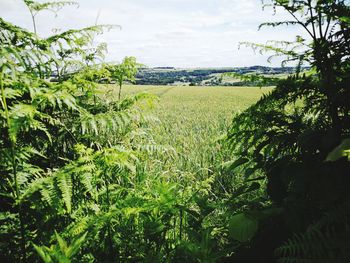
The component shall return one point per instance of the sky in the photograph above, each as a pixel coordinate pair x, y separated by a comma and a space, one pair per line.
178, 33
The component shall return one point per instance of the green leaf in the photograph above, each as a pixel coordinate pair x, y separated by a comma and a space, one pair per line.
62, 243
73, 249
345, 19
234, 164
339, 152
242, 227
65, 185
248, 172
44, 256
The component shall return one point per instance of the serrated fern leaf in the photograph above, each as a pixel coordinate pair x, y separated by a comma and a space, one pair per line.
64, 182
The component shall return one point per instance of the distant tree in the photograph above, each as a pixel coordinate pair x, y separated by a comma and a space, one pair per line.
125, 71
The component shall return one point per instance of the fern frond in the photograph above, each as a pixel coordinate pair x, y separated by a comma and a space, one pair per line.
325, 241
64, 182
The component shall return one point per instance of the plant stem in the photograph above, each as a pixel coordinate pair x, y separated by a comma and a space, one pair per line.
181, 218
33, 20
120, 91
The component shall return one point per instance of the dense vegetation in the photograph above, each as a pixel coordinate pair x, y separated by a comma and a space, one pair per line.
88, 175
297, 138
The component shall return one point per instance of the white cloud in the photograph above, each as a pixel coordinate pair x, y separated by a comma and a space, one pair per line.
181, 33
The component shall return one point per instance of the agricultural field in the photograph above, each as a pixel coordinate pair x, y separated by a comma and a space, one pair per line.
192, 120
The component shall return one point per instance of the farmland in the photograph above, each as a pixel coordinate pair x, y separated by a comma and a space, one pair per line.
193, 119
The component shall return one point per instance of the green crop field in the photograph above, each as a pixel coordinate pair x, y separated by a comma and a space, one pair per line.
191, 120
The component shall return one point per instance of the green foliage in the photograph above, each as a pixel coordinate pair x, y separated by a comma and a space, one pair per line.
52, 6
255, 79
45, 185
62, 252
323, 241
340, 151
125, 71
297, 137
242, 227
36, 7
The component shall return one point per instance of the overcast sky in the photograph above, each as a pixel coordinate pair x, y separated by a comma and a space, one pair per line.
180, 33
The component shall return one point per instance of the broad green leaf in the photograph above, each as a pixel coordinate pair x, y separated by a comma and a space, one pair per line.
339, 152
242, 227
234, 164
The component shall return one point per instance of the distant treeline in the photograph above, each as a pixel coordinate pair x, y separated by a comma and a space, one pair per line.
211, 76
